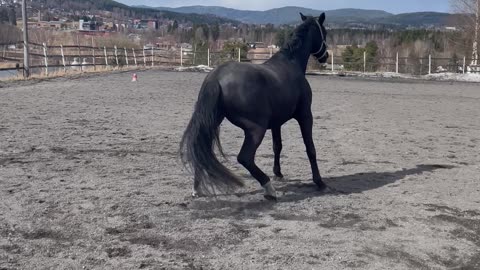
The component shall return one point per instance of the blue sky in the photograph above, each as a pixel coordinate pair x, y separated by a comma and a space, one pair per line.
394, 6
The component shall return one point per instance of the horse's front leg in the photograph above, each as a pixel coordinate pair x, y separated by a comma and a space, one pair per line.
277, 150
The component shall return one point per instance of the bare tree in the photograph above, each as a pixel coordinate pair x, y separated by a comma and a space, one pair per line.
470, 23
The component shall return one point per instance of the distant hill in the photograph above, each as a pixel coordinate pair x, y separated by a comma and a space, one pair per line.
130, 12
284, 15
289, 15
417, 19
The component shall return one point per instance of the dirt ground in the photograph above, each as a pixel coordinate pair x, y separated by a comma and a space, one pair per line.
90, 179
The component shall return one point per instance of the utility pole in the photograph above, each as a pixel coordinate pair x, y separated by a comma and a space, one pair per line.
26, 53
475, 41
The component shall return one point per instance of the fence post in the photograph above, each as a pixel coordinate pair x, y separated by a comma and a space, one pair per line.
181, 56
239, 52
106, 56
364, 61
464, 64
126, 56
144, 58
430, 64
63, 59
153, 56
116, 55
194, 55
94, 58
333, 56
208, 57
26, 51
46, 58
135, 57
396, 64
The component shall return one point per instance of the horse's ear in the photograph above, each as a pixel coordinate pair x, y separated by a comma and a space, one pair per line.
304, 18
321, 19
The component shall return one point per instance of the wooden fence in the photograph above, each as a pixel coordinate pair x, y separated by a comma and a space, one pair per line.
51, 58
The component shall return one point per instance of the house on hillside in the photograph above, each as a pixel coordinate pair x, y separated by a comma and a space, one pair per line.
88, 25
57, 25
135, 38
186, 48
52, 25
166, 44
145, 24
255, 45
258, 54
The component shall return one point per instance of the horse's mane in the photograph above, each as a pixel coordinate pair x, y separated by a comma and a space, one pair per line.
297, 39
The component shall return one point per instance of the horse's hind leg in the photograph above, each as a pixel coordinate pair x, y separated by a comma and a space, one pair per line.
306, 123
196, 186
246, 157
277, 149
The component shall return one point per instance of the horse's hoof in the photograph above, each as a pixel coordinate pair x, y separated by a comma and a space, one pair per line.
323, 188
321, 185
270, 193
278, 178
270, 198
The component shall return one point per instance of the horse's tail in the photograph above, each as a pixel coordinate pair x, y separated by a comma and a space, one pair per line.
199, 140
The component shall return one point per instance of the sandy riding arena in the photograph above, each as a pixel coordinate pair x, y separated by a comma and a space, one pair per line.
90, 179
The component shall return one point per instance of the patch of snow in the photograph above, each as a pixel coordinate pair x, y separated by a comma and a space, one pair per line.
199, 68
444, 76
391, 75
467, 77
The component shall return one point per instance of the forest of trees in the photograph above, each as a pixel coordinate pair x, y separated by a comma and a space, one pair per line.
9, 33
121, 11
381, 45
8, 15
470, 25
353, 57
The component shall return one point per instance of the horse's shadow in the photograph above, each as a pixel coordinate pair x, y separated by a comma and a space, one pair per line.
351, 184
296, 191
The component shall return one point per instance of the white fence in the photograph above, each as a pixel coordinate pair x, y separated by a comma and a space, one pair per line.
47, 58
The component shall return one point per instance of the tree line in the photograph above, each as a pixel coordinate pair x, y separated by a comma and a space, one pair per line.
9, 33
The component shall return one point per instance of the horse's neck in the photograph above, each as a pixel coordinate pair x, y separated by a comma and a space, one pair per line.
299, 56
302, 55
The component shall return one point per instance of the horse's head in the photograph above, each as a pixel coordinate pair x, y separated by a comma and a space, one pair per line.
318, 38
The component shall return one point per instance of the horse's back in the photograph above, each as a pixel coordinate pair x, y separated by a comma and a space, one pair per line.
257, 92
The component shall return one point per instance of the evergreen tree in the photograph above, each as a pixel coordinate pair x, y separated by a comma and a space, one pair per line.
371, 50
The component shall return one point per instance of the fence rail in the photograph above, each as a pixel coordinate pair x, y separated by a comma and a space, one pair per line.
46, 58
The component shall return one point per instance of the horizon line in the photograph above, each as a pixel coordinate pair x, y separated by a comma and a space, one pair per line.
260, 10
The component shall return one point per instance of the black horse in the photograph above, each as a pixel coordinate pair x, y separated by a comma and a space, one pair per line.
255, 98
